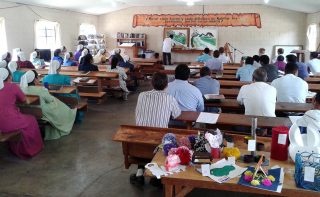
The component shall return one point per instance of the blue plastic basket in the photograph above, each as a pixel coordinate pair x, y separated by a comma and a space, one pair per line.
303, 160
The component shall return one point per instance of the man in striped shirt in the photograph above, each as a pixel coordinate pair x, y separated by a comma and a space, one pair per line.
155, 107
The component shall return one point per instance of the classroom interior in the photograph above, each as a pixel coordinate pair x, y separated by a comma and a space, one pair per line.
103, 149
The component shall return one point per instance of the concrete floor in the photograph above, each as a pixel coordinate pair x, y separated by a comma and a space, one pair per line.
85, 163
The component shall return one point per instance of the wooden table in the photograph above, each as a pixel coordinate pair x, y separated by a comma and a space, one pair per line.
32, 100
180, 184
311, 80
139, 60
226, 119
64, 90
31, 106
232, 104
314, 87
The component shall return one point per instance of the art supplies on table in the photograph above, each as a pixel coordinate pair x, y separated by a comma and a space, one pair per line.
161, 171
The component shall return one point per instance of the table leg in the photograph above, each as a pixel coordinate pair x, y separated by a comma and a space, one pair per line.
182, 191
99, 82
168, 190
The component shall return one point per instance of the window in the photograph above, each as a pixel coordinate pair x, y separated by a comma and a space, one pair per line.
3, 37
312, 34
86, 29
47, 35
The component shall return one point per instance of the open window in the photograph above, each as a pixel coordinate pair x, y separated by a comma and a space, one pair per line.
3, 37
87, 29
47, 34
312, 35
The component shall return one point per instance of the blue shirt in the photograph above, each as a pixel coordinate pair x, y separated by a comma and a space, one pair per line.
58, 58
188, 96
70, 63
245, 72
16, 76
57, 79
203, 58
214, 64
303, 70
207, 85
127, 65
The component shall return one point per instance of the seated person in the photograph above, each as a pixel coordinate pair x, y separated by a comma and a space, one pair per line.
7, 57
3, 64
280, 52
214, 64
63, 51
87, 64
116, 53
15, 73
188, 96
291, 88
23, 62
280, 64
262, 51
272, 70
69, 60
256, 61
245, 72
122, 76
53, 77
57, 55
223, 57
126, 63
303, 69
77, 54
100, 57
35, 59
206, 84
11, 119
258, 98
314, 63
205, 56
157, 57
59, 115
311, 117
84, 52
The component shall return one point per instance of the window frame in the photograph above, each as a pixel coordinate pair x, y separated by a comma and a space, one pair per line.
40, 36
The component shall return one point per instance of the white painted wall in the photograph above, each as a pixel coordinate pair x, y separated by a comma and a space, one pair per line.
20, 25
279, 27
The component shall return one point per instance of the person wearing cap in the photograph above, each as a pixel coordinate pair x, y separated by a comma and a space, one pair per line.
16, 74
53, 77
58, 114
69, 60
12, 120
23, 62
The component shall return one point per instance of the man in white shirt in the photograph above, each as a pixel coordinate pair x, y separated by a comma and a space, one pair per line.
166, 50
258, 98
223, 57
291, 88
314, 63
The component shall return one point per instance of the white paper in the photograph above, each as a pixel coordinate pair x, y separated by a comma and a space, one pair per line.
91, 81
282, 139
230, 144
207, 96
232, 160
251, 145
77, 80
209, 118
205, 169
294, 118
309, 173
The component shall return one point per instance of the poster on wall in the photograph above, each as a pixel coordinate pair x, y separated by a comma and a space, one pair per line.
204, 37
180, 36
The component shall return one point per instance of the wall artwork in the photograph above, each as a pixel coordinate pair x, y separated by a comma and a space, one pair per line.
180, 36
204, 37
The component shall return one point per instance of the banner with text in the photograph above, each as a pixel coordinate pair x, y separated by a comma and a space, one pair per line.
200, 20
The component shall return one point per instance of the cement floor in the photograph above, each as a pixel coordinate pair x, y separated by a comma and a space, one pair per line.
86, 163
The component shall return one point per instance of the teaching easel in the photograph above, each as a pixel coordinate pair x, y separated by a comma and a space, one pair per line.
228, 52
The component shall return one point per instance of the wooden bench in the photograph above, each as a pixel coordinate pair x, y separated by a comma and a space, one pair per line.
91, 92
73, 103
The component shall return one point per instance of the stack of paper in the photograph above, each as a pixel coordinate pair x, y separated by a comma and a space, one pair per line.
209, 118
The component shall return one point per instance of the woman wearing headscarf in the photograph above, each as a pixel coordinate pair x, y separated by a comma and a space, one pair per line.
15, 73
126, 63
57, 55
23, 62
87, 64
77, 54
53, 77
122, 76
15, 54
69, 60
100, 57
3, 64
116, 53
12, 120
35, 59
59, 115
84, 52
7, 57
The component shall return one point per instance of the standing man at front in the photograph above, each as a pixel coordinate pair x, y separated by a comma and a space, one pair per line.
166, 50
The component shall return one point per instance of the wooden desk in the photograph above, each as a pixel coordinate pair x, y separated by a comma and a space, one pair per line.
230, 93
314, 87
32, 100
180, 184
137, 60
236, 120
232, 84
31, 106
232, 104
64, 90
311, 80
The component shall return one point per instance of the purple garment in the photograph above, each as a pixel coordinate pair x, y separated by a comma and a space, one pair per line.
281, 65
12, 120
77, 55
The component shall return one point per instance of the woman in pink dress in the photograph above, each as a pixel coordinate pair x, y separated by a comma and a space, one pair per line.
12, 120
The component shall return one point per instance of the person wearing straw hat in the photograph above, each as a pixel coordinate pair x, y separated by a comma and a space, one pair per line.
59, 115
15, 73
12, 120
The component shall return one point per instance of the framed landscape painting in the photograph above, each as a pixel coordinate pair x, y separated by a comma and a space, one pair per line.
204, 37
180, 36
